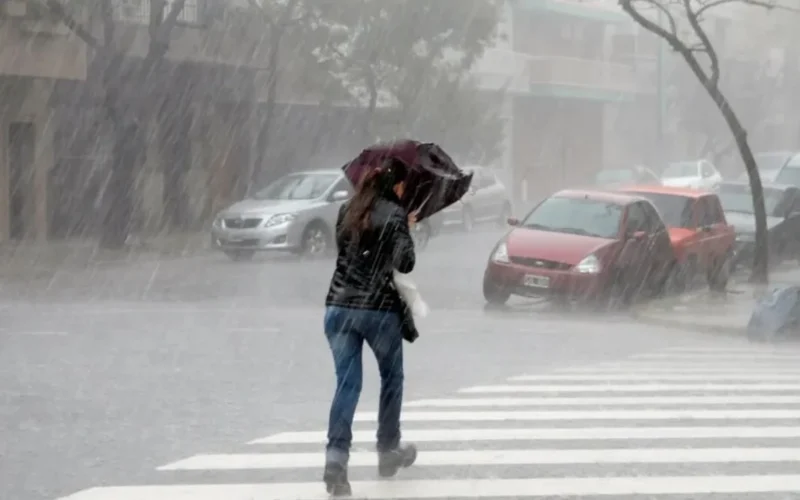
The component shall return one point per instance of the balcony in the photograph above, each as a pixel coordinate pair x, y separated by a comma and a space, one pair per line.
547, 74
34, 45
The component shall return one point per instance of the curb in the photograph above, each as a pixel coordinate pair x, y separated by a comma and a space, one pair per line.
684, 325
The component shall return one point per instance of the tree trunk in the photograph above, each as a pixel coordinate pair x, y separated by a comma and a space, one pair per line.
760, 272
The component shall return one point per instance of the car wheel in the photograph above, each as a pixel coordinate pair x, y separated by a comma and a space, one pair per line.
682, 275
505, 213
240, 255
421, 235
467, 220
316, 240
494, 294
720, 273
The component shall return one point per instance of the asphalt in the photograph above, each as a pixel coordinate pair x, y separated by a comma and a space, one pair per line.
108, 374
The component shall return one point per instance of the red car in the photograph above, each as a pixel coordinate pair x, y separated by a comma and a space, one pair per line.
582, 244
701, 236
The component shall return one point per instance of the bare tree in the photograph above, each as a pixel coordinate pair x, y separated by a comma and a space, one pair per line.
693, 45
126, 107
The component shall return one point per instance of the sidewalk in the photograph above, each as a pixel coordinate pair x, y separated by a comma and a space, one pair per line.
35, 259
704, 311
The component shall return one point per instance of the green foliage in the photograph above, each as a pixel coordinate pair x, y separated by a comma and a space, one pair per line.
408, 63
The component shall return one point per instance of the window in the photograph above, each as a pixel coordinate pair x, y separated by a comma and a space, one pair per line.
654, 224
710, 211
343, 185
297, 187
708, 170
682, 169
739, 198
582, 216
637, 219
138, 11
790, 174
675, 211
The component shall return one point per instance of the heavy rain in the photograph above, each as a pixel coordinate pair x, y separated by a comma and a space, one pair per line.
567, 232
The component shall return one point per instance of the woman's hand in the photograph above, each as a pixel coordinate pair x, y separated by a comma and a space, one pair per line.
412, 219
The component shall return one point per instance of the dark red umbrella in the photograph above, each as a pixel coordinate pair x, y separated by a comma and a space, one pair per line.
434, 180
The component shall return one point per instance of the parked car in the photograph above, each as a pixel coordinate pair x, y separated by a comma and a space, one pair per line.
782, 204
634, 175
789, 174
701, 236
487, 201
296, 213
696, 174
769, 165
581, 244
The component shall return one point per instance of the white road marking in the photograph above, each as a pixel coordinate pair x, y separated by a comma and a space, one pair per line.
693, 368
604, 401
436, 458
458, 488
501, 416
546, 434
261, 329
716, 356
493, 389
43, 333
602, 377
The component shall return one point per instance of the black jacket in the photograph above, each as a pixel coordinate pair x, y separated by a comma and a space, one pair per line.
363, 275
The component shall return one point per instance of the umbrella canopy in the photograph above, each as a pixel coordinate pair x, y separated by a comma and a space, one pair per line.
434, 181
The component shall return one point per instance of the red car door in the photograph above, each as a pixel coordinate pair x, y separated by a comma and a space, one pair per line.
717, 235
632, 260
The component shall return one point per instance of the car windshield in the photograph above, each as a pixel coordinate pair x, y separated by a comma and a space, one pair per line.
297, 187
614, 176
675, 210
576, 216
681, 169
737, 198
789, 175
771, 161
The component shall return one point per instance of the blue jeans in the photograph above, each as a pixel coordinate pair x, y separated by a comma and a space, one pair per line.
346, 330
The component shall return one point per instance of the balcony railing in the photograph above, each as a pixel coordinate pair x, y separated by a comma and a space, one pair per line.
586, 73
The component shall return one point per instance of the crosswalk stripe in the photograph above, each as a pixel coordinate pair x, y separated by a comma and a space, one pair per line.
499, 416
603, 401
458, 488
438, 458
717, 356
629, 388
546, 434
623, 377
670, 368
572, 418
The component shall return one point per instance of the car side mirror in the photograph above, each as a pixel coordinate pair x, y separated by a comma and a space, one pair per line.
340, 195
513, 221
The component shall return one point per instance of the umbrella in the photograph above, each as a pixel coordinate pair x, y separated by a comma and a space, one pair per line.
434, 181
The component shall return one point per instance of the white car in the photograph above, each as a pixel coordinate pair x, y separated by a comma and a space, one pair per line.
694, 174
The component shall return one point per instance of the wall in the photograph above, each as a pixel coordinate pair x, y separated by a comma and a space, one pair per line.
29, 102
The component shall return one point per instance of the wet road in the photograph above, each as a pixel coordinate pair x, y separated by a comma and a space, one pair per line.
107, 376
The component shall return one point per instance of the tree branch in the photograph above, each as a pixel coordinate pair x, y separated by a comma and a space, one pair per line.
692, 17
670, 37
172, 17
768, 4
58, 10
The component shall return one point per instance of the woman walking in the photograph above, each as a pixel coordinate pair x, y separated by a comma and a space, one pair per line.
373, 239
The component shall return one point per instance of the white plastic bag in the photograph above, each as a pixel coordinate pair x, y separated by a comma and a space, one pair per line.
410, 294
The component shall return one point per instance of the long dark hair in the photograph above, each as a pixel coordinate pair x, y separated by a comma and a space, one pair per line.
376, 183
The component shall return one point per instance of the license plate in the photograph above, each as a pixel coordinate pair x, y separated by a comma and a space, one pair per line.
533, 281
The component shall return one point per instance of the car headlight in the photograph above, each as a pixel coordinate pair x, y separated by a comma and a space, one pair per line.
217, 221
501, 254
589, 265
279, 219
